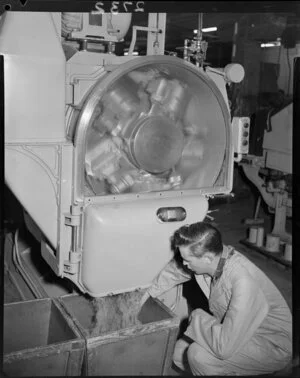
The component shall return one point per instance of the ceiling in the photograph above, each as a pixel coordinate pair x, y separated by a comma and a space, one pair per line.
260, 27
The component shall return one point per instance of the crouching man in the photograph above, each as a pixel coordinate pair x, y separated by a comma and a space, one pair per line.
250, 329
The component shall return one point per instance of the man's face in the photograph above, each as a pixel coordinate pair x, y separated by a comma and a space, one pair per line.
198, 265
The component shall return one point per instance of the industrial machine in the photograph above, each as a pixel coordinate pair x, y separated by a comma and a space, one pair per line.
272, 172
107, 154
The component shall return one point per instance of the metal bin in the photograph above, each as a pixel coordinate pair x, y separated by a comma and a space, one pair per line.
40, 340
121, 338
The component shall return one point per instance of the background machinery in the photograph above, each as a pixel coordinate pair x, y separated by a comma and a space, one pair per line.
269, 168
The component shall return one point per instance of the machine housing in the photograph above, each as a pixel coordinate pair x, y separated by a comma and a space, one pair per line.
108, 154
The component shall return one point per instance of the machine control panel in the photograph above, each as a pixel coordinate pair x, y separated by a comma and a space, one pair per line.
241, 132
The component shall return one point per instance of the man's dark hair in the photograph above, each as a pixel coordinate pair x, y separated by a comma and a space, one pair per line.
201, 236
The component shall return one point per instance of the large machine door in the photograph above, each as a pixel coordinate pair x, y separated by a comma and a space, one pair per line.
155, 123
152, 139
127, 243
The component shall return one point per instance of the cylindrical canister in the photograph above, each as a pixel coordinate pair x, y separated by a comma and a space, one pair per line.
260, 237
272, 243
288, 252
252, 235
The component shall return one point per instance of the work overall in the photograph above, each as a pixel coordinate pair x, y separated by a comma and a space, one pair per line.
250, 331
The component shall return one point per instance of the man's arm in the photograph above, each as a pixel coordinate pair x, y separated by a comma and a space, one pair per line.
247, 309
171, 275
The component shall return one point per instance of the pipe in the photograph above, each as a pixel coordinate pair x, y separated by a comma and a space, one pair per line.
19, 265
200, 25
185, 50
239, 157
13, 280
134, 31
234, 38
133, 40
252, 174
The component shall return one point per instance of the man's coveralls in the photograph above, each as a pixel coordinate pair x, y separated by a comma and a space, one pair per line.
250, 331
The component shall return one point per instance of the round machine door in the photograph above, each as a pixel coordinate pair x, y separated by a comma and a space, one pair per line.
155, 123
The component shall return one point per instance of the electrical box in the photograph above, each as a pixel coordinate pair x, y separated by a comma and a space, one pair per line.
240, 134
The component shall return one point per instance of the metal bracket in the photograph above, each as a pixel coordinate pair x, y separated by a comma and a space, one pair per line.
110, 67
70, 268
75, 257
73, 218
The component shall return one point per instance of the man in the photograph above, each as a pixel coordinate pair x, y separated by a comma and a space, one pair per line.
250, 329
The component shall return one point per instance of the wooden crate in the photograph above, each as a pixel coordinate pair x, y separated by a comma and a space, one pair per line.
121, 338
40, 340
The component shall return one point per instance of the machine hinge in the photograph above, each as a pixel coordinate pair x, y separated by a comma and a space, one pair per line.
73, 219
71, 266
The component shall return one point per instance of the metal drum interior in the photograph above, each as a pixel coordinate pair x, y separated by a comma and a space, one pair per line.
160, 125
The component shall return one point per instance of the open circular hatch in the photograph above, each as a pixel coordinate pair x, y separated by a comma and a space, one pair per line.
154, 123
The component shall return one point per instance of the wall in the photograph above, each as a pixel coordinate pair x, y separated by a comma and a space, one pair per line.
285, 58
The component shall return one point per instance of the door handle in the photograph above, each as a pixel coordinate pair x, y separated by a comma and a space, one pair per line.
171, 214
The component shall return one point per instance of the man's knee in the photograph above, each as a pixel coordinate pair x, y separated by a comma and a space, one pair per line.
180, 354
194, 356
201, 361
